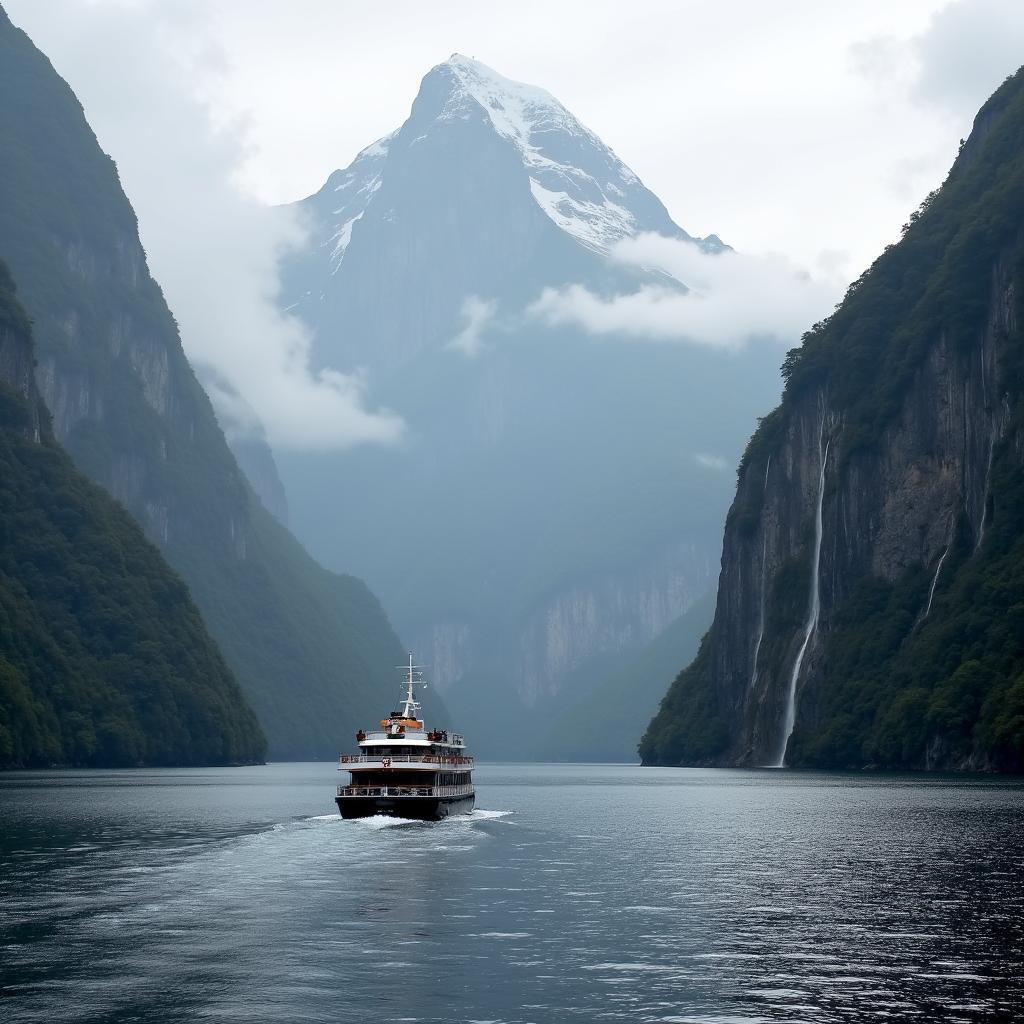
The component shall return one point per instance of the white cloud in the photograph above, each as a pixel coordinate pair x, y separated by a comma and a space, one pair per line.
213, 250
967, 50
936, 76
715, 462
829, 151
732, 297
758, 155
959, 59
476, 314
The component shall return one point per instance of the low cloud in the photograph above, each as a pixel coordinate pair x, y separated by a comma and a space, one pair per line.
728, 300
214, 250
955, 64
476, 314
967, 50
233, 332
715, 462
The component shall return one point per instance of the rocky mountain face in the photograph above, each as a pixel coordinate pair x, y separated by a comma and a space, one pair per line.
256, 460
871, 598
546, 516
311, 649
18, 365
104, 659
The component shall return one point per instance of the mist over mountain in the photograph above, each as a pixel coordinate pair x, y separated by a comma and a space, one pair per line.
871, 600
557, 497
312, 650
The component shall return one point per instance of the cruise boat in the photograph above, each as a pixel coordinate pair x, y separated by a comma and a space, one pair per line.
404, 770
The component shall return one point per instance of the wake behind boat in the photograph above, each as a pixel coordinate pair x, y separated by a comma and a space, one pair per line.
405, 771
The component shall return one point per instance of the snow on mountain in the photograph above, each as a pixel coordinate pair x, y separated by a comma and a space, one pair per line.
575, 179
583, 187
354, 188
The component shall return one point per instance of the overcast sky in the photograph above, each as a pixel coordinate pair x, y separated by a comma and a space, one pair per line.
805, 130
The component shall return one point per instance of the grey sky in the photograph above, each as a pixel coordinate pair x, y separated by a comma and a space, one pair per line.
803, 128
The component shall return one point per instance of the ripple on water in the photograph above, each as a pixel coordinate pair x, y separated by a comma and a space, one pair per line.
699, 897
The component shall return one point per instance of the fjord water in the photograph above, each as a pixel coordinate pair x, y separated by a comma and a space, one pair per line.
574, 892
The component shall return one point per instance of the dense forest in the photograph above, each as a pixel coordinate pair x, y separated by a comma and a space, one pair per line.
104, 659
925, 667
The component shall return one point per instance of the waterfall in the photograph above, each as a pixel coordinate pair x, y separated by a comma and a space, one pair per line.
764, 554
935, 579
812, 612
984, 491
992, 433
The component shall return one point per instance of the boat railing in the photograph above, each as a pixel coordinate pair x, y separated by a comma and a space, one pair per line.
426, 791
405, 758
380, 736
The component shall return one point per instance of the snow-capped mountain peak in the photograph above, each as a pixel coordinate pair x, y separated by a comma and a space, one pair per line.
520, 112
490, 189
575, 178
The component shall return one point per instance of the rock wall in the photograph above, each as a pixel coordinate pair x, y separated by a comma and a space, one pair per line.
883, 511
601, 617
17, 369
588, 619
256, 460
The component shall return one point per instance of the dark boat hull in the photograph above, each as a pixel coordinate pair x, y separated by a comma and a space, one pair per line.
417, 808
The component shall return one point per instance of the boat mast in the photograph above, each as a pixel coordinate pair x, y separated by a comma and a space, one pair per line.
414, 676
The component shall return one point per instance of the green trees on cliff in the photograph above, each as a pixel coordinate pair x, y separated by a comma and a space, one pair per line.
104, 659
899, 688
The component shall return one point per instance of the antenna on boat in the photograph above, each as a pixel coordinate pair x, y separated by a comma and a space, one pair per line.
413, 677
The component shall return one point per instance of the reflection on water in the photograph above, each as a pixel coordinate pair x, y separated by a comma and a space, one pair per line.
589, 893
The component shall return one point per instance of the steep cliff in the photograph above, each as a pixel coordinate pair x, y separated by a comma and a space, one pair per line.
871, 599
604, 719
256, 461
104, 659
312, 650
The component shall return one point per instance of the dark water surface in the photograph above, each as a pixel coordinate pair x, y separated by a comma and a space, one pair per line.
575, 893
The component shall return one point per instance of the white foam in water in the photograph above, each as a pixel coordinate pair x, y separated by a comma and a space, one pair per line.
382, 821
379, 821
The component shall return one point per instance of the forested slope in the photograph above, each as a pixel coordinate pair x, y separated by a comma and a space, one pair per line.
104, 659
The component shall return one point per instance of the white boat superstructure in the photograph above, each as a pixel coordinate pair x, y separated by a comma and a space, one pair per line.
405, 770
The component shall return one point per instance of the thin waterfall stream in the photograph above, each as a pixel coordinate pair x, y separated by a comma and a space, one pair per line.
789, 719
992, 434
935, 580
764, 553
984, 490
938, 568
